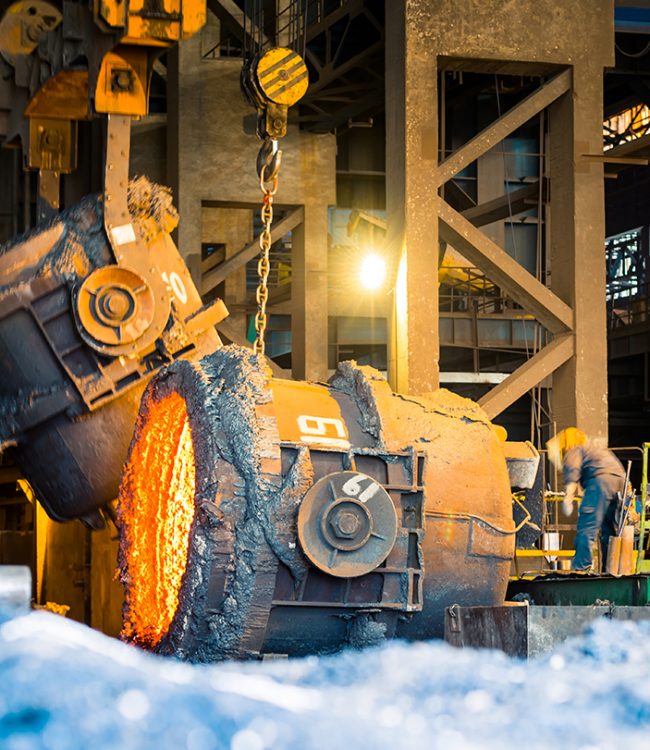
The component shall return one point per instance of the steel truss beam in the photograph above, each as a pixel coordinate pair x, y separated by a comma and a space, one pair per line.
498, 266
331, 72
352, 9
510, 204
526, 377
524, 288
326, 42
501, 128
460, 231
236, 23
367, 106
240, 258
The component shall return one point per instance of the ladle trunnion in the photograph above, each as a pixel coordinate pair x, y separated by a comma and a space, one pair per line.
270, 516
82, 330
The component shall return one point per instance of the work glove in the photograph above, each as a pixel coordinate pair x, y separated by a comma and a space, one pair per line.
569, 495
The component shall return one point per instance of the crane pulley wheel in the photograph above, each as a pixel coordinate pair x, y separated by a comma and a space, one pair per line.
281, 76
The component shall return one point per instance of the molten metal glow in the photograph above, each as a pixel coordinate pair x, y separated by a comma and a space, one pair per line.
156, 511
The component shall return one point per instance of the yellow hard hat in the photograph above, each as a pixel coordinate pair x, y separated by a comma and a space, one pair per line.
558, 446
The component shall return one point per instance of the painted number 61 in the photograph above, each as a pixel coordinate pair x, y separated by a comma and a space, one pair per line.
353, 486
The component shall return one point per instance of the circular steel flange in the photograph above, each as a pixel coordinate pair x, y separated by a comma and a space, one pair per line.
115, 309
347, 524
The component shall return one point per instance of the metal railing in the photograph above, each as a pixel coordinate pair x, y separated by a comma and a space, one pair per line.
625, 311
229, 48
467, 289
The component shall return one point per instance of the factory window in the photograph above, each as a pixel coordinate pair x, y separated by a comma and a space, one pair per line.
363, 339
277, 338
627, 282
628, 125
626, 261
212, 255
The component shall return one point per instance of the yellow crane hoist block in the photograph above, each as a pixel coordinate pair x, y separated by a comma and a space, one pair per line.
167, 23
282, 76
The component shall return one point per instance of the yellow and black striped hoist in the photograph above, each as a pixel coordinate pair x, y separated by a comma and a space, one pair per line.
273, 82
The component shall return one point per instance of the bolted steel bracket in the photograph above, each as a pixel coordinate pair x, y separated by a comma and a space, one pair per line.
347, 524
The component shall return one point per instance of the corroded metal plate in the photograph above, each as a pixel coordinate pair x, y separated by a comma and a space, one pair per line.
347, 524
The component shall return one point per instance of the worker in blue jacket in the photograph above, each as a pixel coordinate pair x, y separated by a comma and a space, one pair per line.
588, 463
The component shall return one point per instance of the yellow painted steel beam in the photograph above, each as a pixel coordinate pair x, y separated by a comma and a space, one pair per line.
545, 552
123, 82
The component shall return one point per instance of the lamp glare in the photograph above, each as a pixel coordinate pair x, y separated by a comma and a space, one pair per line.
373, 272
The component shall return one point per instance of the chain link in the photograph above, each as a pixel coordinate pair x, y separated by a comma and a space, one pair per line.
263, 265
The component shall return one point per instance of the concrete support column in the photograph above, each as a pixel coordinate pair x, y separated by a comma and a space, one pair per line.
577, 231
411, 162
309, 295
184, 147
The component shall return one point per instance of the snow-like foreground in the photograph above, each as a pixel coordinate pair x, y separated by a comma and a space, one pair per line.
64, 686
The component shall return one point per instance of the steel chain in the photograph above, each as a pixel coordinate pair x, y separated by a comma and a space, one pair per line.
269, 189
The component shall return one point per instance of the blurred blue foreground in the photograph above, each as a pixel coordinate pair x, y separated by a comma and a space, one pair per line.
65, 686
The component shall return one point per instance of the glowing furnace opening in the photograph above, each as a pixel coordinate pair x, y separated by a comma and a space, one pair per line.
156, 513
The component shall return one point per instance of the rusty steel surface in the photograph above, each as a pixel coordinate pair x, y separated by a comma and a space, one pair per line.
68, 399
114, 306
269, 451
522, 460
64, 96
52, 144
347, 524
23, 23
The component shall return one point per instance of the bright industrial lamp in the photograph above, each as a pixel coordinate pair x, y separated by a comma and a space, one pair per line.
373, 272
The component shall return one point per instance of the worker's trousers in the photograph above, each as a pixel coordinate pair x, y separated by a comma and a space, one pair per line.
597, 511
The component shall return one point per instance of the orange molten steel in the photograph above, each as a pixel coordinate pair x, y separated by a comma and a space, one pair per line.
157, 508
